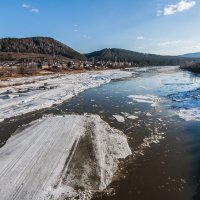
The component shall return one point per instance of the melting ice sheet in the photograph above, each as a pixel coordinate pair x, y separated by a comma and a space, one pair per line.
57, 155
36, 93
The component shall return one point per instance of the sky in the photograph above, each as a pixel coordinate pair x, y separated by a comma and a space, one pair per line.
166, 27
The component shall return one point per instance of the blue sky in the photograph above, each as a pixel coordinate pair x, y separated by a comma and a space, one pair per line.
167, 27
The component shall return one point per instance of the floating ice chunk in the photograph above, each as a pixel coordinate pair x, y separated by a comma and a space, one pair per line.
55, 155
150, 99
129, 116
119, 118
132, 117
192, 114
95, 106
125, 114
187, 104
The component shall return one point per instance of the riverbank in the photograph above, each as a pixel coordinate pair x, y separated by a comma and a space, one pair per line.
28, 94
194, 67
7, 78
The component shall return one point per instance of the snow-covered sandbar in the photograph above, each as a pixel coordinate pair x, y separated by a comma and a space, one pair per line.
60, 156
36, 93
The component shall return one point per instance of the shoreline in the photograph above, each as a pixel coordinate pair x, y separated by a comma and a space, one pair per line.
43, 92
48, 73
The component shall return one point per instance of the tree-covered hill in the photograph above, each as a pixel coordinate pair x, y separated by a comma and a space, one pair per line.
138, 58
38, 45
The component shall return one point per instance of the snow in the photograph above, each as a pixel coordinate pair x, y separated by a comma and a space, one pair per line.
56, 155
27, 80
23, 95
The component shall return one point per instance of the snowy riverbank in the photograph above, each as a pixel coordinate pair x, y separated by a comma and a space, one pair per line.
42, 92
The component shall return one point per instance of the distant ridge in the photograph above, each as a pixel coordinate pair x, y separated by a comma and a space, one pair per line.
191, 55
39, 45
139, 58
46, 48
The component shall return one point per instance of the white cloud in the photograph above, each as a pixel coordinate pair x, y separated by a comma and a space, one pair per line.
25, 6
183, 5
169, 43
85, 36
30, 8
175, 42
35, 10
159, 13
140, 38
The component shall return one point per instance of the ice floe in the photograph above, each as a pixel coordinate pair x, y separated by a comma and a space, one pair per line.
60, 157
150, 99
129, 116
36, 93
119, 118
192, 114
132, 117
187, 104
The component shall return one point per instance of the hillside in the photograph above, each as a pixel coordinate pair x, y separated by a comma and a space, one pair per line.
191, 55
38, 45
131, 56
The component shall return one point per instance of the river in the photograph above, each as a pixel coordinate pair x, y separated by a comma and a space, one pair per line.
158, 108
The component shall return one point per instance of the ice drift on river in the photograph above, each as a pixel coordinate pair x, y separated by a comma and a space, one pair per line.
150, 99
36, 93
56, 156
187, 104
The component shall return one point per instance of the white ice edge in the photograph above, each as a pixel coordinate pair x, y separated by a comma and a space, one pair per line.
30, 97
40, 162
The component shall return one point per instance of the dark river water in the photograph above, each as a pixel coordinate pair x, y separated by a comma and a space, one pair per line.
159, 111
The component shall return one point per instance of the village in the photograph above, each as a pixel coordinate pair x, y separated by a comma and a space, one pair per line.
32, 66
